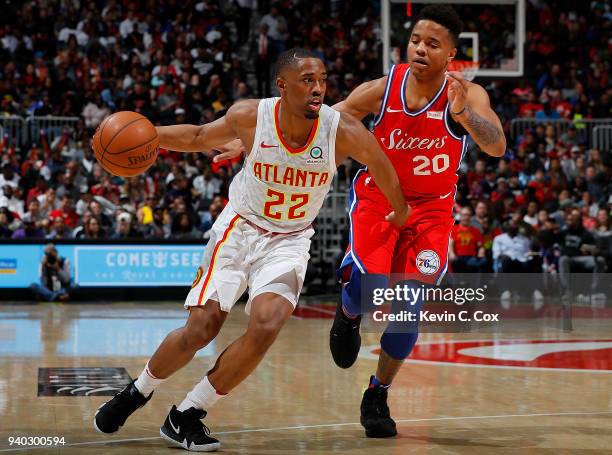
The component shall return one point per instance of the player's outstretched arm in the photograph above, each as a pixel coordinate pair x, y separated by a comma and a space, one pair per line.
239, 118
354, 140
364, 100
470, 106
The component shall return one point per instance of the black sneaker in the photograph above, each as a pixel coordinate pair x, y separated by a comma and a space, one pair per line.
112, 415
344, 338
375, 416
185, 429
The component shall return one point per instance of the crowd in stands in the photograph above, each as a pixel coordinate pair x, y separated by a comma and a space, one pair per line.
188, 61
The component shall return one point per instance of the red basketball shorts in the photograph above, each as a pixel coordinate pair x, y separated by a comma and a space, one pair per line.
419, 249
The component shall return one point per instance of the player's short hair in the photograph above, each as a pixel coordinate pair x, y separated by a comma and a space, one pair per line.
290, 57
444, 15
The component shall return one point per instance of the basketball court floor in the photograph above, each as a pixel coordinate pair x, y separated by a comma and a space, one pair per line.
546, 392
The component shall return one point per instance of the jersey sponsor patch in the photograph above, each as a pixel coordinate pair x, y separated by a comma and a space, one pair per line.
316, 155
436, 115
428, 262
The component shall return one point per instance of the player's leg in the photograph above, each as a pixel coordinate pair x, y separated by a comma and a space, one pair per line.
269, 312
421, 255
278, 265
177, 349
372, 241
182, 426
209, 303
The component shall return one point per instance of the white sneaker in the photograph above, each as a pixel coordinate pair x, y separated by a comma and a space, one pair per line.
538, 300
506, 299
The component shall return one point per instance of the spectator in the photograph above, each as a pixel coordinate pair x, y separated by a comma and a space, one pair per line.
14, 203
277, 29
92, 229
29, 230
59, 230
158, 228
9, 177
5, 221
513, 253
182, 228
579, 252
205, 187
67, 212
48, 202
124, 228
531, 217
263, 61
603, 236
94, 112
55, 281
466, 252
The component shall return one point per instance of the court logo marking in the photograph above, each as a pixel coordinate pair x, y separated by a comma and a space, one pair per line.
592, 355
73, 382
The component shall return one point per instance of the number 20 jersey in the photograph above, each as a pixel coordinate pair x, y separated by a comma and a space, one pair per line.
279, 188
424, 151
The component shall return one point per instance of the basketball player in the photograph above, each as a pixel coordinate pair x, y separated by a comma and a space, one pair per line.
423, 117
260, 241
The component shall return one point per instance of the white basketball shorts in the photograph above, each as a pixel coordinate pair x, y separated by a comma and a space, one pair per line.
241, 255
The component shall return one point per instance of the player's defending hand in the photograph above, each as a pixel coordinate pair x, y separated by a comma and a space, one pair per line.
399, 219
457, 91
229, 151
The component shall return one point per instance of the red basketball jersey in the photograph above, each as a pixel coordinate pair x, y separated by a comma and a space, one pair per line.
425, 152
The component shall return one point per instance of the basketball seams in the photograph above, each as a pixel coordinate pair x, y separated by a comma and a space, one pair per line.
119, 132
129, 167
102, 126
135, 147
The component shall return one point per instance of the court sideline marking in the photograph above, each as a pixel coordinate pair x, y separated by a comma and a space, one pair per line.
324, 425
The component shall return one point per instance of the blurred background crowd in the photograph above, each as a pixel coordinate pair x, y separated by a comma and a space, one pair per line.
189, 60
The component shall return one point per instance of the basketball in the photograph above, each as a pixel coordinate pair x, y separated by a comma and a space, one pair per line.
126, 144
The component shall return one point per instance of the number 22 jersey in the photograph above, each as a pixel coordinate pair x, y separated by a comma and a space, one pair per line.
279, 188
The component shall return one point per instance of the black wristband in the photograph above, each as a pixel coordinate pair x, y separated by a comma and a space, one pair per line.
458, 113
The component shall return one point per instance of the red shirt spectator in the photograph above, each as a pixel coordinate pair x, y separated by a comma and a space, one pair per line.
67, 212
466, 238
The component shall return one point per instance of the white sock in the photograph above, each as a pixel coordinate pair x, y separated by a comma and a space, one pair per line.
203, 396
146, 382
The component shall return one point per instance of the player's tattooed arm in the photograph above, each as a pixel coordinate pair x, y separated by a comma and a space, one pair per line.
470, 106
364, 100
238, 123
482, 130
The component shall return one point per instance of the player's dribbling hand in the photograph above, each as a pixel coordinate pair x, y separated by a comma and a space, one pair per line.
399, 219
229, 151
457, 91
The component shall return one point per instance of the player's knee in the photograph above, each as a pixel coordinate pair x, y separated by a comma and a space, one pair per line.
398, 345
201, 329
263, 329
197, 338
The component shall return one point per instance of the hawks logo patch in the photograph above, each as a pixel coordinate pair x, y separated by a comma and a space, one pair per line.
198, 277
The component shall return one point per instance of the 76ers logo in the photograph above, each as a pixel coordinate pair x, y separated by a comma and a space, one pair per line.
428, 262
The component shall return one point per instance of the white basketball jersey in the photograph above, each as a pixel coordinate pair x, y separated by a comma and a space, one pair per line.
281, 189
